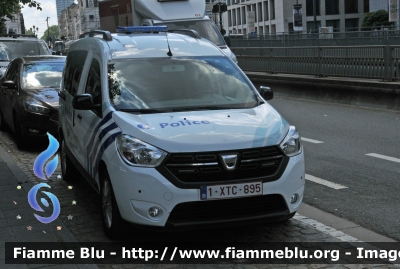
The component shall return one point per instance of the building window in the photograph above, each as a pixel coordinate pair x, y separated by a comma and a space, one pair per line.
332, 7
272, 3
335, 24
91, 17
244, 15
273, 29
259, 11
351, 25
265, 3
350, 6
234, 16
230, 17
238, 16
310, 7
312, 28
366, 6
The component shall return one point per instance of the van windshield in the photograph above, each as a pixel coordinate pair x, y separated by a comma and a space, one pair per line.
192, 83
205, 28
10, 49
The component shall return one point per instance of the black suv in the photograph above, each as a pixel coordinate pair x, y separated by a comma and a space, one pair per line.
16, 45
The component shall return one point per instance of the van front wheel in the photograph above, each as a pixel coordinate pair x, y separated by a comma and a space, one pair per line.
112, 221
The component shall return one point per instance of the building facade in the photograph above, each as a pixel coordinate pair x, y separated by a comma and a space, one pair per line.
15, 24
276, 16
89, 15
79, 18
61, 5
69, 22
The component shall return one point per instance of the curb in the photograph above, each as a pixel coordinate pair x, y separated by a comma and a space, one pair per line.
21, 179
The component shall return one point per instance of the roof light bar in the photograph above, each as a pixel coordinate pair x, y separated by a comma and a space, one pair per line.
141, 29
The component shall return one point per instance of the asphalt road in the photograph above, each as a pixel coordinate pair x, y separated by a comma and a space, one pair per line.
348, 133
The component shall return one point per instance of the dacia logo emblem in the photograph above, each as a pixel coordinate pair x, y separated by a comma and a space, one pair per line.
229, 161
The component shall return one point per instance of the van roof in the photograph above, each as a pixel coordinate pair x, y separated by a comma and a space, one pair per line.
152, 45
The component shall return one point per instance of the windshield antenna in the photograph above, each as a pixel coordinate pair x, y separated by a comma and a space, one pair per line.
169, 53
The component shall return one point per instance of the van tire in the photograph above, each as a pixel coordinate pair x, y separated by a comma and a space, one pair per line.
113, 223
68, 170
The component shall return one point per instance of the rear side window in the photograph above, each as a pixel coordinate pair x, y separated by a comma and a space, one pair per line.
73, 70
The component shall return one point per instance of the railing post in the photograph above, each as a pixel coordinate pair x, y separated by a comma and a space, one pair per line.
388, 74
319, 74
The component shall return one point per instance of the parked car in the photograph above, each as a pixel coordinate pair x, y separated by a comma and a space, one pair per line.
172, 133
29, 96
17, 45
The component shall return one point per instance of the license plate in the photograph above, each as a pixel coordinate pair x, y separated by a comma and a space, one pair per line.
230, 191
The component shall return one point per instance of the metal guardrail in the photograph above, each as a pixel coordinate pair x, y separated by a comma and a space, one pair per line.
372, 62
362, 38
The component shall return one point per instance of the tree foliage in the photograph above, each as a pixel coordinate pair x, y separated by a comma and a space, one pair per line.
373, 20
10, 7
53, 32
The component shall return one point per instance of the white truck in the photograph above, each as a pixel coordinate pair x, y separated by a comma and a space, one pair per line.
176, 14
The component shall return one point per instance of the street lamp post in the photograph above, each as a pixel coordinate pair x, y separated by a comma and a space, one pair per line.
48, 31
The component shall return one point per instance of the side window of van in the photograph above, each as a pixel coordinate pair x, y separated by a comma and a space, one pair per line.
73, 70
93, 83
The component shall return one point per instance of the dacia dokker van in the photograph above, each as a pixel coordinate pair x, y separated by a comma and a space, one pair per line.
171, 133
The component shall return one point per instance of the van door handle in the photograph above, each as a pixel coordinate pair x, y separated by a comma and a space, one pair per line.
79, 116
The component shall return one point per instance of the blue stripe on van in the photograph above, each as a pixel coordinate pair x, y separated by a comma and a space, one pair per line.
105, 145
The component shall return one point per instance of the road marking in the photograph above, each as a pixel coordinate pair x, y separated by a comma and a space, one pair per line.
325, 182
384, 157
311, 140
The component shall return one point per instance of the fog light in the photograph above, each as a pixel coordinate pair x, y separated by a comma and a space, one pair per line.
33, 131
294, 198
154, 211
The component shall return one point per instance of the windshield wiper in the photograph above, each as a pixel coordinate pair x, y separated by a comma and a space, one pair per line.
201, 108
142, 111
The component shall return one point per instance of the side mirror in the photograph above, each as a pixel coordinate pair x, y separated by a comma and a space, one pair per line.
84, 102
9, 84
227, 40
266, 93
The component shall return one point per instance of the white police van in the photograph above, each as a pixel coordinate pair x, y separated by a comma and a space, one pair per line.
172, 133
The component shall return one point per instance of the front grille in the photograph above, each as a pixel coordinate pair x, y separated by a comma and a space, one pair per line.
54, 117
228, 210
209, 167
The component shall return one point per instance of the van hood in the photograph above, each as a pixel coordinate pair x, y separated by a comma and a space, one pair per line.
209, 130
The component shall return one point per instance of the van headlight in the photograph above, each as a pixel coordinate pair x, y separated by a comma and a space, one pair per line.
138, 153
291, 145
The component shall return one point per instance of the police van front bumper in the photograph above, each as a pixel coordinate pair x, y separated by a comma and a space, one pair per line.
145, 196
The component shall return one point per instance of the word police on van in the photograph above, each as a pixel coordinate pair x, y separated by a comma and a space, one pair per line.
172, 133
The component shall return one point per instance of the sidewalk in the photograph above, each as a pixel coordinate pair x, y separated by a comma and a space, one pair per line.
17, 222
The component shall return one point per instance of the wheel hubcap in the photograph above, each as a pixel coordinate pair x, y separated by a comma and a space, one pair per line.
107, 203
